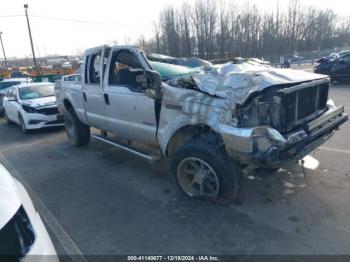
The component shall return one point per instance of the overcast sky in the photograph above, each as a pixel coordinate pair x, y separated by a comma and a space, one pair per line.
117, 20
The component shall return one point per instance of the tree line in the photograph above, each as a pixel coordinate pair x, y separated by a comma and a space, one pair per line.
214, 29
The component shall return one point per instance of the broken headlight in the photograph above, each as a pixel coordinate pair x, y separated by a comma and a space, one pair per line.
28, 109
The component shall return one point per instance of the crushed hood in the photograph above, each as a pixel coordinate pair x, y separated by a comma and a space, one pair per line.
40, 102
238, 81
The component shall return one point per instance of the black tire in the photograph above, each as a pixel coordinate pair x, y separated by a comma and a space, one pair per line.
77, 132
23, 125
227, 171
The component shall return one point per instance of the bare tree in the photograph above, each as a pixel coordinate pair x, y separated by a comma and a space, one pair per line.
223, 29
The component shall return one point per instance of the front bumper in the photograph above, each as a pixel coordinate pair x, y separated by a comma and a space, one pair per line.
37, 121
264, 145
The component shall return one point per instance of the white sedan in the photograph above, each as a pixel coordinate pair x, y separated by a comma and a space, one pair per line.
32, 106
6, 84
22, 232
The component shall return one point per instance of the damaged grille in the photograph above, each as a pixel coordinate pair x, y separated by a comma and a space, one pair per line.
48, 111
302, 103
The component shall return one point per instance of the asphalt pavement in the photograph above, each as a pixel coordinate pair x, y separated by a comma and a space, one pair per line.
99, 200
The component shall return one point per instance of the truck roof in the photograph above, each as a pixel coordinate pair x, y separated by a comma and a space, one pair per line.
108, 46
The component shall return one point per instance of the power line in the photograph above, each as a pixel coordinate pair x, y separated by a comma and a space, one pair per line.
74, 20
10, 15
64, 19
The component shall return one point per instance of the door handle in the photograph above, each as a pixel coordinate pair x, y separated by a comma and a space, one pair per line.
84, 97
106, 99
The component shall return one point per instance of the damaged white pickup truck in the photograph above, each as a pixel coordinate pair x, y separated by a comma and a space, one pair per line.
210, 121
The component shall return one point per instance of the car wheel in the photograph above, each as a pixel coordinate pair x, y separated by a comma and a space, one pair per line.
77, 132
203, 170
23, 125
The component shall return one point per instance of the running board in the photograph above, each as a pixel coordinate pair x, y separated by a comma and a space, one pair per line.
151, 158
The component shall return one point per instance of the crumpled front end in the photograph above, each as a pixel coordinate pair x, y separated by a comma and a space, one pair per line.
264, 145
265, 116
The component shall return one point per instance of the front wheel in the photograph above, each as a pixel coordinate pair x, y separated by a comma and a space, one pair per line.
24, 128
7, 120
203, 170
77, 132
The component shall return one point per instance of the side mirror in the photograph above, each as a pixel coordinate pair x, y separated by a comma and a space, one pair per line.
11, 99
150, 79
153, 79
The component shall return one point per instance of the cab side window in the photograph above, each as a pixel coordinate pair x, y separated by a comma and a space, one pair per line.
74, 78
92, 69
125, 69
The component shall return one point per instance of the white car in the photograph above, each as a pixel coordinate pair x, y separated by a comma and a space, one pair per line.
32, 106
22, 232
6, 84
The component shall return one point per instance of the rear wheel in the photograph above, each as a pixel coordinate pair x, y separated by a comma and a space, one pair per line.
77, 132
203, 170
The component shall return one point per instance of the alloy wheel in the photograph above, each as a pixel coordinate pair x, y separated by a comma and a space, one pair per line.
197, 178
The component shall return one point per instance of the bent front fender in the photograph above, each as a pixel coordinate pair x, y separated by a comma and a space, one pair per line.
250, 140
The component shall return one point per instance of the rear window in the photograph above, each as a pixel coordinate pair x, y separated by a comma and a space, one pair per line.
33, 92
74, 78
5, 85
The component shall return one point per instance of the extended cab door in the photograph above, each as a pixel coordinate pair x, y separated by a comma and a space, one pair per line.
130, 112
92, 91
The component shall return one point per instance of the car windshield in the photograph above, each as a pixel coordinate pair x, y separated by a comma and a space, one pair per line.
168, 71
8, 84
32, 92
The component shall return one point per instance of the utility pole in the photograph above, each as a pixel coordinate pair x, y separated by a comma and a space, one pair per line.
31, 39
3, 50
